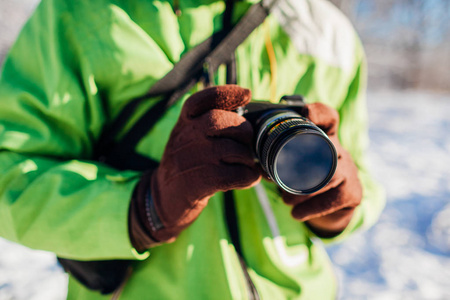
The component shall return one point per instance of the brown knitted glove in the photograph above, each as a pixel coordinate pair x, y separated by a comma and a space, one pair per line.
329, 210
209, 150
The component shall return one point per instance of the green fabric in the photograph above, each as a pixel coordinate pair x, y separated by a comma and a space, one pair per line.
74, 67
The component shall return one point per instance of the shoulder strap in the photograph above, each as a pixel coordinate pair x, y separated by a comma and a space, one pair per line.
209, 55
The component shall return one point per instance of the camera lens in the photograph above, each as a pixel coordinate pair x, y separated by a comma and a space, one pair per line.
294, 152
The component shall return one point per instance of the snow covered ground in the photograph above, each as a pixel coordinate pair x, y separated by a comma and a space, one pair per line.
405, 256
27, 274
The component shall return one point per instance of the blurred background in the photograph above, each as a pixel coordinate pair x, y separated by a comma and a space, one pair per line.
407, 254
407, 41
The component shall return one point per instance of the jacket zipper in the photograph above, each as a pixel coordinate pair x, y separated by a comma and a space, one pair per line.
233, 230
230, 207
252, 292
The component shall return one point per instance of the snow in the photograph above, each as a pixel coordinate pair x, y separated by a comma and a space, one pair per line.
406, 255
29, 274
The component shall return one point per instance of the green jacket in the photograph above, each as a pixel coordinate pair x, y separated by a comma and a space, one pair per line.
74, 67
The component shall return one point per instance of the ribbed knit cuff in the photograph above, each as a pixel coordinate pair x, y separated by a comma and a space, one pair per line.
139, 226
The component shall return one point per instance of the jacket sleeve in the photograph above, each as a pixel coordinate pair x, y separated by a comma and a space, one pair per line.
52, 197
353, 135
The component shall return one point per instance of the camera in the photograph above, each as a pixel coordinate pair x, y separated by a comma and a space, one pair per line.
293, 151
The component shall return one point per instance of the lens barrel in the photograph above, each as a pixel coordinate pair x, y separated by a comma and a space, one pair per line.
294, 152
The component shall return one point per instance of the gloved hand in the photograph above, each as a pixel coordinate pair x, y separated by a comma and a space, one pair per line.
209, 150
328, 211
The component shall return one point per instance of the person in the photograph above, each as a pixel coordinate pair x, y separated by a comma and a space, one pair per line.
75, 66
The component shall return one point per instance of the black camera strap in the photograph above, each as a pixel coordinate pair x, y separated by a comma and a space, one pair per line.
199, 63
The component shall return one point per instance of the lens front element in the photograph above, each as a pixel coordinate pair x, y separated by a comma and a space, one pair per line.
295, 153
304, 163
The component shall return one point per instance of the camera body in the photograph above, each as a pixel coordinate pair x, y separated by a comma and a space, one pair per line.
293, 151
